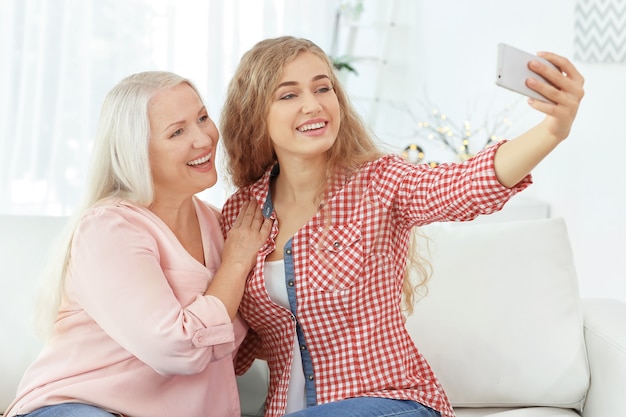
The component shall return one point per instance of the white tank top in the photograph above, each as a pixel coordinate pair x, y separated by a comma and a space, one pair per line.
274, 273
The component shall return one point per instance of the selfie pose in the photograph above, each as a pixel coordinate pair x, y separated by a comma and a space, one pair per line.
325, 300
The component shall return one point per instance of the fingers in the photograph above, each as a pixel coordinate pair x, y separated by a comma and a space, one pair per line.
251, 217
249, 233
564, 89
239, 218
565, 65
567, 82
246, 214
266, 226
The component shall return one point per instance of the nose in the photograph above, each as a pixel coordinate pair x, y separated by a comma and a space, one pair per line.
204, 137
310, 104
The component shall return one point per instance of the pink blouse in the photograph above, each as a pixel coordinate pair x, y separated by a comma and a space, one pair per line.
135, 335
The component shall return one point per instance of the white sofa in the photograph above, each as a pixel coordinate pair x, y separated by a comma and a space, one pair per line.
503, 324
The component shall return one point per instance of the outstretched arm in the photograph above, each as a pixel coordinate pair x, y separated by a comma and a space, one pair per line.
516, 158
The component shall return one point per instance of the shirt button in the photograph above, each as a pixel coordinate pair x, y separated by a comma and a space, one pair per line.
288, 251
303, 347
293, 318
290, 283
337, 244
310, 377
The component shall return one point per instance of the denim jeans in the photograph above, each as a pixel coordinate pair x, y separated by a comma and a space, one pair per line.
68, 410
368, 407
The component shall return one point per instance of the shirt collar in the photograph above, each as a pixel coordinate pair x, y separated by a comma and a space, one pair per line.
261, 190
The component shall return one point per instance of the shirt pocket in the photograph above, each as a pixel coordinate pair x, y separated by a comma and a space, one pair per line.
336, 257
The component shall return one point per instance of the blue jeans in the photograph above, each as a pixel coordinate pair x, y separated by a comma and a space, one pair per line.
69, 410
367, 407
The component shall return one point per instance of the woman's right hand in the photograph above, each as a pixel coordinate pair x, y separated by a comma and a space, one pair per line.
248, 234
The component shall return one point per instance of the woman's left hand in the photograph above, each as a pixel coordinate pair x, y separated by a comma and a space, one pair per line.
566, 92
518, 157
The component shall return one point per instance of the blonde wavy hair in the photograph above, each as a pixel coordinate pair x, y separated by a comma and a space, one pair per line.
248, 147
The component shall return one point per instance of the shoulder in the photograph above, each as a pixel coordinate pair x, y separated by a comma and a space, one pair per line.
207, 211
388, 168
392, 162
116, 224
111, 209
233, 204
113, 216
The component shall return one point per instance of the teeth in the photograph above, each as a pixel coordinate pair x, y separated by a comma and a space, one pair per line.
199, 160
311, 126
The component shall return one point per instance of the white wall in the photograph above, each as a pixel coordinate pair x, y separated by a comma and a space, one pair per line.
446, 50
449, 49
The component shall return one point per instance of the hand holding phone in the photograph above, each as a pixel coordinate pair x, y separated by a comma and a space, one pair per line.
513, 71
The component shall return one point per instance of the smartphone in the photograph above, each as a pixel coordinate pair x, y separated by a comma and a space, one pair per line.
513, 71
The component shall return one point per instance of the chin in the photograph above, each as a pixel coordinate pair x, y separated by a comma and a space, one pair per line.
211, 183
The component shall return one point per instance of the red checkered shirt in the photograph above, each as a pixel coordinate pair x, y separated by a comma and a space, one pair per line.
349, 262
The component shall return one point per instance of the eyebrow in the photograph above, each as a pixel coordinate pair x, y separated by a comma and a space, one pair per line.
172, 125
202, 110
290, 83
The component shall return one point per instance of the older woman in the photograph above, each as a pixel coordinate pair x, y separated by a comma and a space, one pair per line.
145, 295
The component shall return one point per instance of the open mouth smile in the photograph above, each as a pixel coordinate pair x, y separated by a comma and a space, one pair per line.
312, 126
200, 161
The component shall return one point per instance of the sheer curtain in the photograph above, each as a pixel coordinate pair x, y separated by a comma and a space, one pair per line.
61, 57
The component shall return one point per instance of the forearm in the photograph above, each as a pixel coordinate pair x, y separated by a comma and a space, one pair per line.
244, 238
516, 158
228, 285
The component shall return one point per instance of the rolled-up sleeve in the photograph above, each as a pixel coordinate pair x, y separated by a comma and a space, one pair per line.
220, 337
131, 277
420, 194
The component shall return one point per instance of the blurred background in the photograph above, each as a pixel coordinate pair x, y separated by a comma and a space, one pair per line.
420, 72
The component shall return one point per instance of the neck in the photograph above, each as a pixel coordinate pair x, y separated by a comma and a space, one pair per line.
300, 183
181, 218
176, 214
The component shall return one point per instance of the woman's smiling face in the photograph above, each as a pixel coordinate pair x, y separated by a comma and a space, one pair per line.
183, 139
304, 115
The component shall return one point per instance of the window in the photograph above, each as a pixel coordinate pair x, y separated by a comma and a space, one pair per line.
60, 58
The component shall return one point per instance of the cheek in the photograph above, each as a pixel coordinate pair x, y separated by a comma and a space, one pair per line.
335, 112
214, 132
336, 108
274, 123
165, 159
152, 159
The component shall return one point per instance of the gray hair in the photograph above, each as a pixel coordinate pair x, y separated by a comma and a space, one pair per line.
120, 168
120, 164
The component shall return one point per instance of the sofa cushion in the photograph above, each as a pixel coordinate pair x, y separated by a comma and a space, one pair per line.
253, 389
24, 250
501, 325
516, 412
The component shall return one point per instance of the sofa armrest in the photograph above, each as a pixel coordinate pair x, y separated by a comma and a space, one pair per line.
605, 337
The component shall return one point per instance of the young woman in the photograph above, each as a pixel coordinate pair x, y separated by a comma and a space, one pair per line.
146, 294
324, 299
